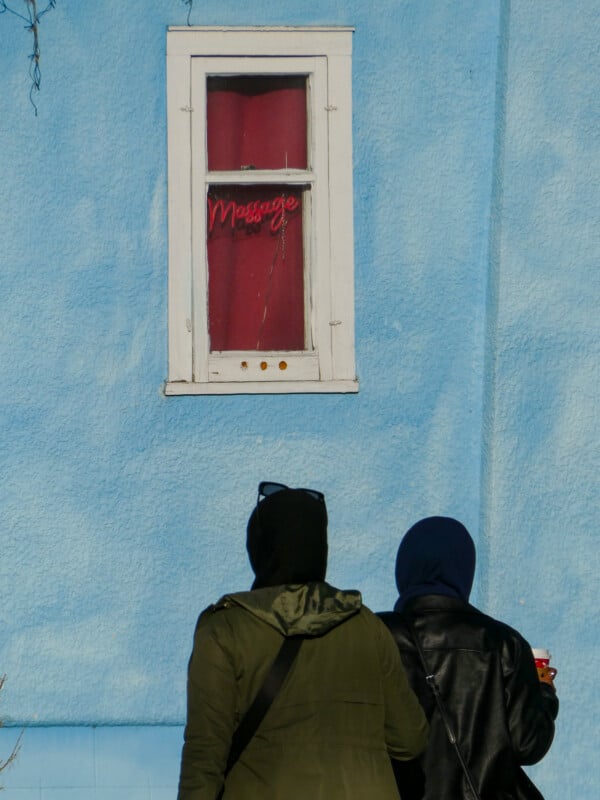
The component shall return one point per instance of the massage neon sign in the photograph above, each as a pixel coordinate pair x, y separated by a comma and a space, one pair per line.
253, 213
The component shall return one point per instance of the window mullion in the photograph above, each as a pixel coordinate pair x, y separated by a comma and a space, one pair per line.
248, 177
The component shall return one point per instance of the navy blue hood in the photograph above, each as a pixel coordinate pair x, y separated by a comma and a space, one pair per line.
436, 556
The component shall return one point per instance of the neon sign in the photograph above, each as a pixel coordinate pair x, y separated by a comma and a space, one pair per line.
252, 213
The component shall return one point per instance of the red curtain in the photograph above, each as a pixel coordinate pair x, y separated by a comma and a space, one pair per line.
255, 268
255, 241
256, 121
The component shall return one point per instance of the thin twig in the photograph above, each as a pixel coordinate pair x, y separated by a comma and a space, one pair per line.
189, 4
33, 21
17, 747
4, 8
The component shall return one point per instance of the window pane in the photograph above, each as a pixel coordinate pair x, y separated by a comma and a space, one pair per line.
256, 122
255, 268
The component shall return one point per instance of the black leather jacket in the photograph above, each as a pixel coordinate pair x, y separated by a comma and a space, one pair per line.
502, 716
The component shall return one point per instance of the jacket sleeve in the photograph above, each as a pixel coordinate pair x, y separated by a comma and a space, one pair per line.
210, 714
532, 707
406, 727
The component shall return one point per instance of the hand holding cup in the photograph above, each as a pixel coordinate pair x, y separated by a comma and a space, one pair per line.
546, 673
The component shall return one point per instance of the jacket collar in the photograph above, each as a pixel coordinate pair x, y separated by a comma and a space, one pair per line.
438, 602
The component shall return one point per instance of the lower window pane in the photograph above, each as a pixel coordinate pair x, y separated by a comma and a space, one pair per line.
255, 268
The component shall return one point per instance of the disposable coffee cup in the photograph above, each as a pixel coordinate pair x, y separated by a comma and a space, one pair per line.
542, 657
546, 673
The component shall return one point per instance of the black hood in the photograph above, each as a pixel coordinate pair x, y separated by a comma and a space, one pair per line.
287, 539
436, 556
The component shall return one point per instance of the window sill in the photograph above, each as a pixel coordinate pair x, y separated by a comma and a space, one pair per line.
178, 388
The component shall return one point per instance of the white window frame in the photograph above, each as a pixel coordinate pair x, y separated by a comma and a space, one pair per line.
324, 54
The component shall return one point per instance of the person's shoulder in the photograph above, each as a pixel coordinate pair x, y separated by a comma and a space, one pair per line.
507, 639
502, 629
379, 623
391, 619
215, 617
365, 616
395, 623
369, 615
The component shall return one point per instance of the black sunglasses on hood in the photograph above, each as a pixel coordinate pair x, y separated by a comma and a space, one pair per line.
267, 488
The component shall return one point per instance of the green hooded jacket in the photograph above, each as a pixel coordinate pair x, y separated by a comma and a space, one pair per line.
344, 708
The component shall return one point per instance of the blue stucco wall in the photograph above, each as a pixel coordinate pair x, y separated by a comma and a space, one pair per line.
476, 167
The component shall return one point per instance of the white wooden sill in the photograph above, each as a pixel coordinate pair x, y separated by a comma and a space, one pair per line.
179, 388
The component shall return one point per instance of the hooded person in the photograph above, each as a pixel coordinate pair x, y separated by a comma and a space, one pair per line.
345, 707
500, 713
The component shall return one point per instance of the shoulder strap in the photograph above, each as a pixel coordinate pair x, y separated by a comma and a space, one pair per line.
432, 683
263, 700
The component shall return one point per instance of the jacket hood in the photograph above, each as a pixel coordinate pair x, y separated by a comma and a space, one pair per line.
310, 609
287, 539
436, 556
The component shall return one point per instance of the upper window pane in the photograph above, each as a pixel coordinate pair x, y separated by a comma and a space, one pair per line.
256, 122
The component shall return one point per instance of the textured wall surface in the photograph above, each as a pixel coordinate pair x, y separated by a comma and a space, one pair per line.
540, 495
476, 174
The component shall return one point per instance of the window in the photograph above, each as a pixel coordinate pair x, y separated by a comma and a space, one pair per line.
261, 286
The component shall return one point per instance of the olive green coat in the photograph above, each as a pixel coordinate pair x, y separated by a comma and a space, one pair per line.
343, 709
